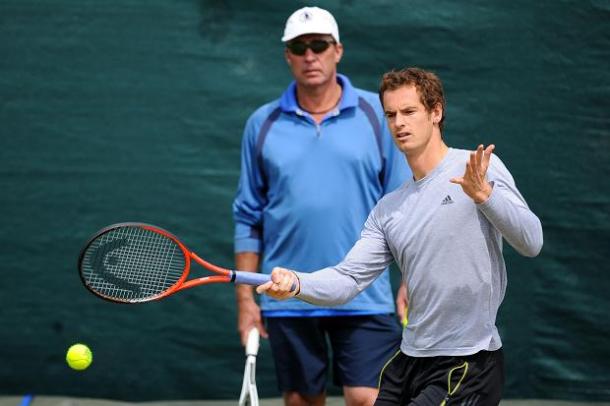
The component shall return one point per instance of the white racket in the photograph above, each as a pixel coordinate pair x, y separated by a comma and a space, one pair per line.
249, 394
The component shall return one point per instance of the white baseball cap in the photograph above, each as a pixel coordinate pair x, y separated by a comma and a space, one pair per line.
310, 20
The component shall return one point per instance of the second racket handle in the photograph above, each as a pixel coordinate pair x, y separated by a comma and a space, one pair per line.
254, 278
253, 342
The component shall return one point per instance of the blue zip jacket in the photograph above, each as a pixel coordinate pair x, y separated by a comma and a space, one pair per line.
306, 190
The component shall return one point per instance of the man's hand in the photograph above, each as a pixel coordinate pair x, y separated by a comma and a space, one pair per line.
280, 285
402, 302
474, 182
248, 312
248, 317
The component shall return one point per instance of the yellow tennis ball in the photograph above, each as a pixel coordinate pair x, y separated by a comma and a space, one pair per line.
79, 357
405, 320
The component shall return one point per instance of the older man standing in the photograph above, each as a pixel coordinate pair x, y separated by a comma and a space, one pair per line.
314, 163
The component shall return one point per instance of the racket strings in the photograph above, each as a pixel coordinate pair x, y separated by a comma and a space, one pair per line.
131, 263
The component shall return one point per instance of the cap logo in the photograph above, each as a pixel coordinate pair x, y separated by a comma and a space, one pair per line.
305, 16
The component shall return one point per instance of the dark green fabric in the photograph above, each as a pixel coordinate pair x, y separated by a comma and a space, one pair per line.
133, 110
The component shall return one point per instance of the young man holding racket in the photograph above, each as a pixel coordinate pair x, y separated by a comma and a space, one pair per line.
444, 228
314, 163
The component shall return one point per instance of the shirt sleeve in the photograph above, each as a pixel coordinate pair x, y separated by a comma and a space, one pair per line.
367, 259
251, 198
508, 212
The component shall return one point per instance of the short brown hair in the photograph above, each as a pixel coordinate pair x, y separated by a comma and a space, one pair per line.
428, 86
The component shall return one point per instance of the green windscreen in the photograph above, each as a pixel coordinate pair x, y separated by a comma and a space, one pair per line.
115, 111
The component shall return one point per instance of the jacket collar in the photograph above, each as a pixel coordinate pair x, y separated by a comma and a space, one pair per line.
349, 97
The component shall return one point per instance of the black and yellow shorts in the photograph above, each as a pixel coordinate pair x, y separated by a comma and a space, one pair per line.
475, 379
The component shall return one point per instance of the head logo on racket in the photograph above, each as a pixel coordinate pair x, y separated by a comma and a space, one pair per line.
107, 266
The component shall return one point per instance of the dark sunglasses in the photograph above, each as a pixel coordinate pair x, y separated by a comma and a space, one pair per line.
317, 46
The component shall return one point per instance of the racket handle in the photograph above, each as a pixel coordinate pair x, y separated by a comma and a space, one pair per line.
251, 278
254, 278
253, 342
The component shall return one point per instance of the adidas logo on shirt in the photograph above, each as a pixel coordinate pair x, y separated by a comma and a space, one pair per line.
447, 200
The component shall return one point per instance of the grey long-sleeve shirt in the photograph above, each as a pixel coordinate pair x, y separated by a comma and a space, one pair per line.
449, 251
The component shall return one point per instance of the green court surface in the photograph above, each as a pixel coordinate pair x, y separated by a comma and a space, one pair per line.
333, 401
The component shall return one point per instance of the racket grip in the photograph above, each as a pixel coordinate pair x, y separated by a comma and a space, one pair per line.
255, 279
251, 278
253, 342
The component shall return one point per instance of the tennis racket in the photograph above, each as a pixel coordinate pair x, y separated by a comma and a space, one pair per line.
249, 393
136, 262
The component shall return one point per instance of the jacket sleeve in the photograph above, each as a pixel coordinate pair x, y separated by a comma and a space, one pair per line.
251, 198
508, 212
367, 259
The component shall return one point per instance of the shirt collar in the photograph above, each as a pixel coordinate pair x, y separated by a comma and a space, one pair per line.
349, 97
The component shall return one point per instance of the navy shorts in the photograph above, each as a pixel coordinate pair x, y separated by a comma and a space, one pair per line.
476, 379
360, 346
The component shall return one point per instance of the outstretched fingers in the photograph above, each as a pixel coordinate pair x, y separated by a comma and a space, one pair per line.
473, 181
487, 155
480, 158
459, 180
475, 159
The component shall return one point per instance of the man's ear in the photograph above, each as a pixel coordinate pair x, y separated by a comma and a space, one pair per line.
338, 52
437, 113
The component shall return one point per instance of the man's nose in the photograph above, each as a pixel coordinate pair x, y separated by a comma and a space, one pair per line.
309, 55
399, 120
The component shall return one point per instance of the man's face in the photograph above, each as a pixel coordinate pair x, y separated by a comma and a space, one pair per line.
409, 122
311, 69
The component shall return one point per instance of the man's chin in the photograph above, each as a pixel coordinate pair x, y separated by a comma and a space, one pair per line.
405, 147
313, 80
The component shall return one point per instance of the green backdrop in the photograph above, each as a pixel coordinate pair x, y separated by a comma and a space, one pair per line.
133, 111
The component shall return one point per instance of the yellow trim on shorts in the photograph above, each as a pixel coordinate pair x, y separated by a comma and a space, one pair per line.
384, 367
449, 391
